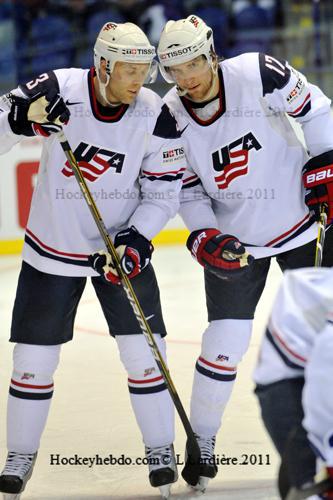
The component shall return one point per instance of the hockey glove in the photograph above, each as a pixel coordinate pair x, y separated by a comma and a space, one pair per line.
221, 254
318, 181
102, 263
40, 115
328, 473
134, 252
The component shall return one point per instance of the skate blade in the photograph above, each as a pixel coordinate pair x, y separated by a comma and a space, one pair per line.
11, 496
165, 491
201, 484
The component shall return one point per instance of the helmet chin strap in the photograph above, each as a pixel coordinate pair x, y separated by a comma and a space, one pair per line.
213, 87
181, 92
102, 90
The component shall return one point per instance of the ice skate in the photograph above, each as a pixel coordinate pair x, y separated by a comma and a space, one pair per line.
162, 468
15, 475
208, 468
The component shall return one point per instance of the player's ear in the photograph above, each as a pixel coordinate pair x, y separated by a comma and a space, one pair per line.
102, 70
215, 61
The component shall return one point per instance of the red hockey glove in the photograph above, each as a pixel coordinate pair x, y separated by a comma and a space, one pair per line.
221, 254
134, 251
318, 180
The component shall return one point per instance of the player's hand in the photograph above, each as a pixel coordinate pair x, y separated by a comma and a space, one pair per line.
134, 252
39, 115
318, 181
221, 254
102, 263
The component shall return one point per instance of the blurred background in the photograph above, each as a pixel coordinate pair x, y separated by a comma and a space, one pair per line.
39, 35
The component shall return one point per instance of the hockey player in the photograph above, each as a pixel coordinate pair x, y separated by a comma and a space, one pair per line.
244, 178
296, 359
128, 147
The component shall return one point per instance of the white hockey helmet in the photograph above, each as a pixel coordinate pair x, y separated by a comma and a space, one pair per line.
184, 40
124, 42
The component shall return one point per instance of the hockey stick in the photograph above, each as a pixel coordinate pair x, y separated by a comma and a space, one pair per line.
321, 235
313, 489
191, 470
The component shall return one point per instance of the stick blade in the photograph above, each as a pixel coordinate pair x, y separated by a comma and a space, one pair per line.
191, 470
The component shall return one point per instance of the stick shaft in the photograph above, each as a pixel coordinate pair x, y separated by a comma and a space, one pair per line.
321, 236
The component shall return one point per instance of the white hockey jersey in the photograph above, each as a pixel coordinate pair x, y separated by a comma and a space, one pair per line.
131, 158
299, 342
318, 393
245, 161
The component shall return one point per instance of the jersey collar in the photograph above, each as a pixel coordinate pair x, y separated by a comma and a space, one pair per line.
188, 105
103, 113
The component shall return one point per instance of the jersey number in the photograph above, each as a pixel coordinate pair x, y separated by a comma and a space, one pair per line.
275, 65
34, 83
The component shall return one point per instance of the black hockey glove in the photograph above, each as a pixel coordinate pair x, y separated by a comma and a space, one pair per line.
221, 254
318, 181
134, 251
39, 115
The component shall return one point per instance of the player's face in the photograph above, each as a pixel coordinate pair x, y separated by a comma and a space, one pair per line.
195, 76
126, 81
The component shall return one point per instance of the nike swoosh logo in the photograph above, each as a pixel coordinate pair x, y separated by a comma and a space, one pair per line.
149, 317
182, 131
72, 103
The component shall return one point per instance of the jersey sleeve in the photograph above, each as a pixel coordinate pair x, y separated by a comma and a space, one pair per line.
318, 395
287, 90
161, 176
195, 204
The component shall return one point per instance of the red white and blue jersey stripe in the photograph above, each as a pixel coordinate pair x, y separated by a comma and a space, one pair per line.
300, 312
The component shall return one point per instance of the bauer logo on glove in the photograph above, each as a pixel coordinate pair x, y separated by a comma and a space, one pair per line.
318, 182
221, 254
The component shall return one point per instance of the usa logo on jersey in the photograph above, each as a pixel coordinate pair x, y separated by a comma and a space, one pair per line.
95, 161
232, 161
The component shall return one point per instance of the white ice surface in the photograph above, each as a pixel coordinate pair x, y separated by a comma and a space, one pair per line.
91, 414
